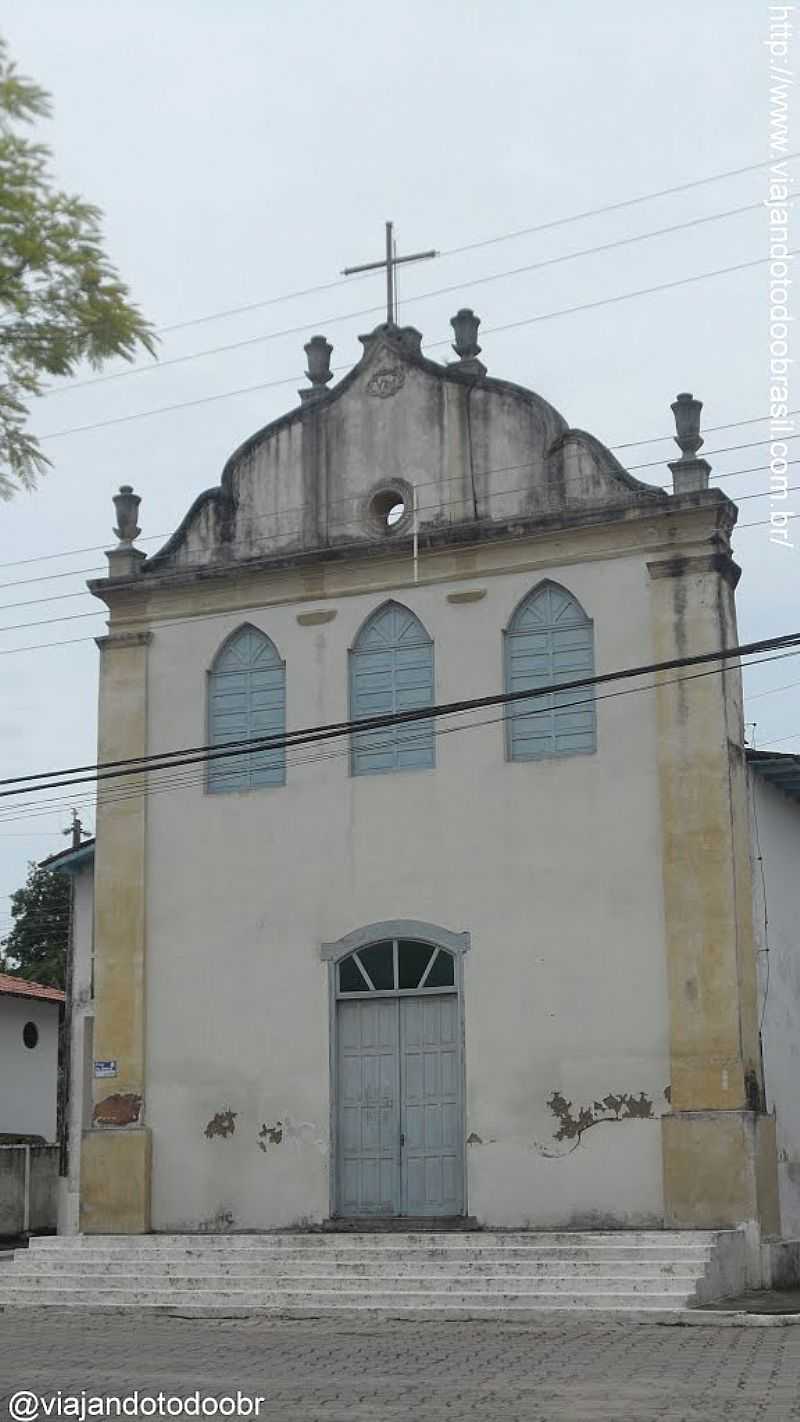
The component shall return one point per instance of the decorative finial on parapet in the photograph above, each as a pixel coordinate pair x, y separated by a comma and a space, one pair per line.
124, 560
126, 506
318, 353
465, 329
688, 473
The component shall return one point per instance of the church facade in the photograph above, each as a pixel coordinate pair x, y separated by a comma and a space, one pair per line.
497, 963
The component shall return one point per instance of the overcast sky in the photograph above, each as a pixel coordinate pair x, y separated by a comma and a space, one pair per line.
244, 150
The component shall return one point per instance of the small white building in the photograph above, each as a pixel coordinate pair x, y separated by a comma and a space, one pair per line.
29, 1025
501, 963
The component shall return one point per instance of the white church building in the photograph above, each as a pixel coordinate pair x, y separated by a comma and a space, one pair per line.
504, 963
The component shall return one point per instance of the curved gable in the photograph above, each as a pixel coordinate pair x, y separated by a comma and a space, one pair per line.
463, 447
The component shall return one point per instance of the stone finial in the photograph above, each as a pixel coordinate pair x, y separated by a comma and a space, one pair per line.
687, 422
124, 560
318, 353
126, 506
465, 329
688, 473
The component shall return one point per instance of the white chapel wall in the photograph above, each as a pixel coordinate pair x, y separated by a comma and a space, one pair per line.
554, 867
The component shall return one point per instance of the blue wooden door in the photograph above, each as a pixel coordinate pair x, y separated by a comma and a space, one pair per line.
430, 1111
399, 1135
369, 1107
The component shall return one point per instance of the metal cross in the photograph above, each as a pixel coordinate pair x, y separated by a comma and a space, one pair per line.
390, 261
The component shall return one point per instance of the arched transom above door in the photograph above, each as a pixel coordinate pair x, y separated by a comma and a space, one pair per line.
396, 965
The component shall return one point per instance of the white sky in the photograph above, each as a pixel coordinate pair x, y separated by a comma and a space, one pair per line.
241, 151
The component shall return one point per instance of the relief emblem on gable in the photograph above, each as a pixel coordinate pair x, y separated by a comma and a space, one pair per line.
386, 381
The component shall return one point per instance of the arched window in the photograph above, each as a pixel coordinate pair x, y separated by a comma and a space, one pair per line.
549, 639
246, 698
391, 669
396, 965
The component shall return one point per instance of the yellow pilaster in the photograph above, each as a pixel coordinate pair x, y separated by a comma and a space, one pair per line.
115, 1161
718, 1147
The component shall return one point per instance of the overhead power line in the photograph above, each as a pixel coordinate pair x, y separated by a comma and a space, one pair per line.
173, 782
426, 483
157, 537
548, 226
215, 616
192, 754
405, 301
429, 345
100, 612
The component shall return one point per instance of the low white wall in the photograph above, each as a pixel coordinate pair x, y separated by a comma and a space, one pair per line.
28, 1075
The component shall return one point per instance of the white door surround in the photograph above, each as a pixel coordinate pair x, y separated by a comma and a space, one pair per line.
397, 1138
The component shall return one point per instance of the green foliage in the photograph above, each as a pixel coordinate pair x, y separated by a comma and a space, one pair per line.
36, 946
61, 301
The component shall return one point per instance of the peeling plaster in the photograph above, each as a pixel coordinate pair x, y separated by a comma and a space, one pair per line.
119, 1109
223, 1124
270, 1135
293, 1133
620, 1107
474, 1139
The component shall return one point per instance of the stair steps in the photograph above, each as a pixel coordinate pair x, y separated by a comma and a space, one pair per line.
444, 1274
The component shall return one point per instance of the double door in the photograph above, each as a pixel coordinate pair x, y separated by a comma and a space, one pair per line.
399, 1111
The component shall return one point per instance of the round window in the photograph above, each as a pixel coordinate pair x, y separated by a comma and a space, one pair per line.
30, 1034
388, 508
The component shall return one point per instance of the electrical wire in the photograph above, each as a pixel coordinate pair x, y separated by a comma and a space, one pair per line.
485, 242
173, 782
156, 537
363, 725
62, 597
229, 612
356, 498
406, 301
429, 345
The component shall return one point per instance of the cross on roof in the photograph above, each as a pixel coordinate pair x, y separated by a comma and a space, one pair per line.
390, 261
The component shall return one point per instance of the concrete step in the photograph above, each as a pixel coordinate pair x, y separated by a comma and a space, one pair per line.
35, 1267
384, 1283
469, 1240
324, 1300
102, 1255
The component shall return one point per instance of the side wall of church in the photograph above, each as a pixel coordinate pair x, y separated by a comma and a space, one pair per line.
552, 866
81, 1045
776, 837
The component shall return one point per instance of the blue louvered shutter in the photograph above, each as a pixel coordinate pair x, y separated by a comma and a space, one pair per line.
247, 698
550, 639
391, 669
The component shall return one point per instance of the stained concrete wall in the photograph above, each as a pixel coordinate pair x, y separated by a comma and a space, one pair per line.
28, 1075
30, 1171
554, 867
776, 837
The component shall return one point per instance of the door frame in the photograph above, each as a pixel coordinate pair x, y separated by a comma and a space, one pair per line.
417, 930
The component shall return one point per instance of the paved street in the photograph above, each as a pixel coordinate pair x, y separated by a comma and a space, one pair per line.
315, 1371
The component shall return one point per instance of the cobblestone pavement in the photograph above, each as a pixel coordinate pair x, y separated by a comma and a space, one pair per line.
324, 1371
